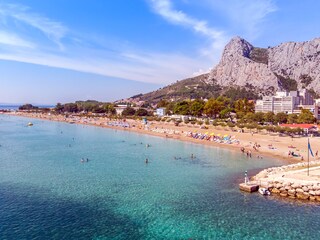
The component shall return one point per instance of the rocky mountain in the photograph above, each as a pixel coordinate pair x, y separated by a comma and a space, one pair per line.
246, 68
289, 66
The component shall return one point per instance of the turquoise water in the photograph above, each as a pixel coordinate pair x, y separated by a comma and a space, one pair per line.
47, 193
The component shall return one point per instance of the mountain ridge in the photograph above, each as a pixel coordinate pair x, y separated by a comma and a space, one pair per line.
287, 66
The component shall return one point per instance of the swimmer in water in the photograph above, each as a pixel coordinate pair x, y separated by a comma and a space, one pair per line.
147, 161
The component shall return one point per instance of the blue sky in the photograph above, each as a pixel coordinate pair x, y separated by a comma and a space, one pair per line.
61, 51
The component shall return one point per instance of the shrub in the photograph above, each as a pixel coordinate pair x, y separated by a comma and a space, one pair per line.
200, 122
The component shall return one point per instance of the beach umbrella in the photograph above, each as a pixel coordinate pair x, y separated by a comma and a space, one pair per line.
226, 135
206, 133
211, 134
219, 134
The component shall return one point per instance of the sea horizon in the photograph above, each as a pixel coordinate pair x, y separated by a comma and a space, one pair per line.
4, 106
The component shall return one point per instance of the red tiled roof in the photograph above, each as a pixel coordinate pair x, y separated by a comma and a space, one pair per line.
298, 125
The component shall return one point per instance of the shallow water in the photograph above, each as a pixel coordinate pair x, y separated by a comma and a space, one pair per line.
47, 193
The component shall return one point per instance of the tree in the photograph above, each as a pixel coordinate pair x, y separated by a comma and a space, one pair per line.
58, 108
224, 100
225, 113
128, 111
170, 107
141, 112
249, 117
212, 107
281, 117
292, 118
196, 107
181, 108
162, 103
70, 107
109, 108
98, 109
269, 117
27, 107
243, 106
306, 116
258, 117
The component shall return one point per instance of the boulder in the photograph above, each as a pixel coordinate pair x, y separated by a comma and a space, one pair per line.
306, 194
284, 194
292, 192
271, 185
288, 187
296, 185
310, 188
312, 198
305, 189
316, 187
282, 189
302, 196
312, 193
275, 190
299, 190
317, 193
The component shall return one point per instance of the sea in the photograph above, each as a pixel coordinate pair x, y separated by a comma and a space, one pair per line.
68, 181
14, 107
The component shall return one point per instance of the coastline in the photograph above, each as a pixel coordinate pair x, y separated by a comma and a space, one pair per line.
270, 145
285, 184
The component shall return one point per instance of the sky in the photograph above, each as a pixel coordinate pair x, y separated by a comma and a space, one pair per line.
62, 51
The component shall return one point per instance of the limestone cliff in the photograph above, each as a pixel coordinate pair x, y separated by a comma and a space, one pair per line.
289, 65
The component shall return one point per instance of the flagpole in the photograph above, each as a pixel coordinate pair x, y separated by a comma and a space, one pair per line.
308, 155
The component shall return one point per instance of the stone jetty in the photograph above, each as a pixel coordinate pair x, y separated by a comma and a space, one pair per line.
248, 187
292, 181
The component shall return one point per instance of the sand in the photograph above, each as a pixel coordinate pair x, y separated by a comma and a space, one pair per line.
273, 145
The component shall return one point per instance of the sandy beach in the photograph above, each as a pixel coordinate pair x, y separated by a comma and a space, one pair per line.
252, 143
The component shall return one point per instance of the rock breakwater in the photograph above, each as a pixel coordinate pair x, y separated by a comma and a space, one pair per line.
292, 181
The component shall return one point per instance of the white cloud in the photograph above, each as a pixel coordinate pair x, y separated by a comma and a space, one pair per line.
166, 10
157, 68
112, 59
245, 15
14, 40
217, 38
53, 30
201, 71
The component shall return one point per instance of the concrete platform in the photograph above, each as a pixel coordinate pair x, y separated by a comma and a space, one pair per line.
249, 187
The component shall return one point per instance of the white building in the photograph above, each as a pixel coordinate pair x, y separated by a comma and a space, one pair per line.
119, 108
161, 112
288, 102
